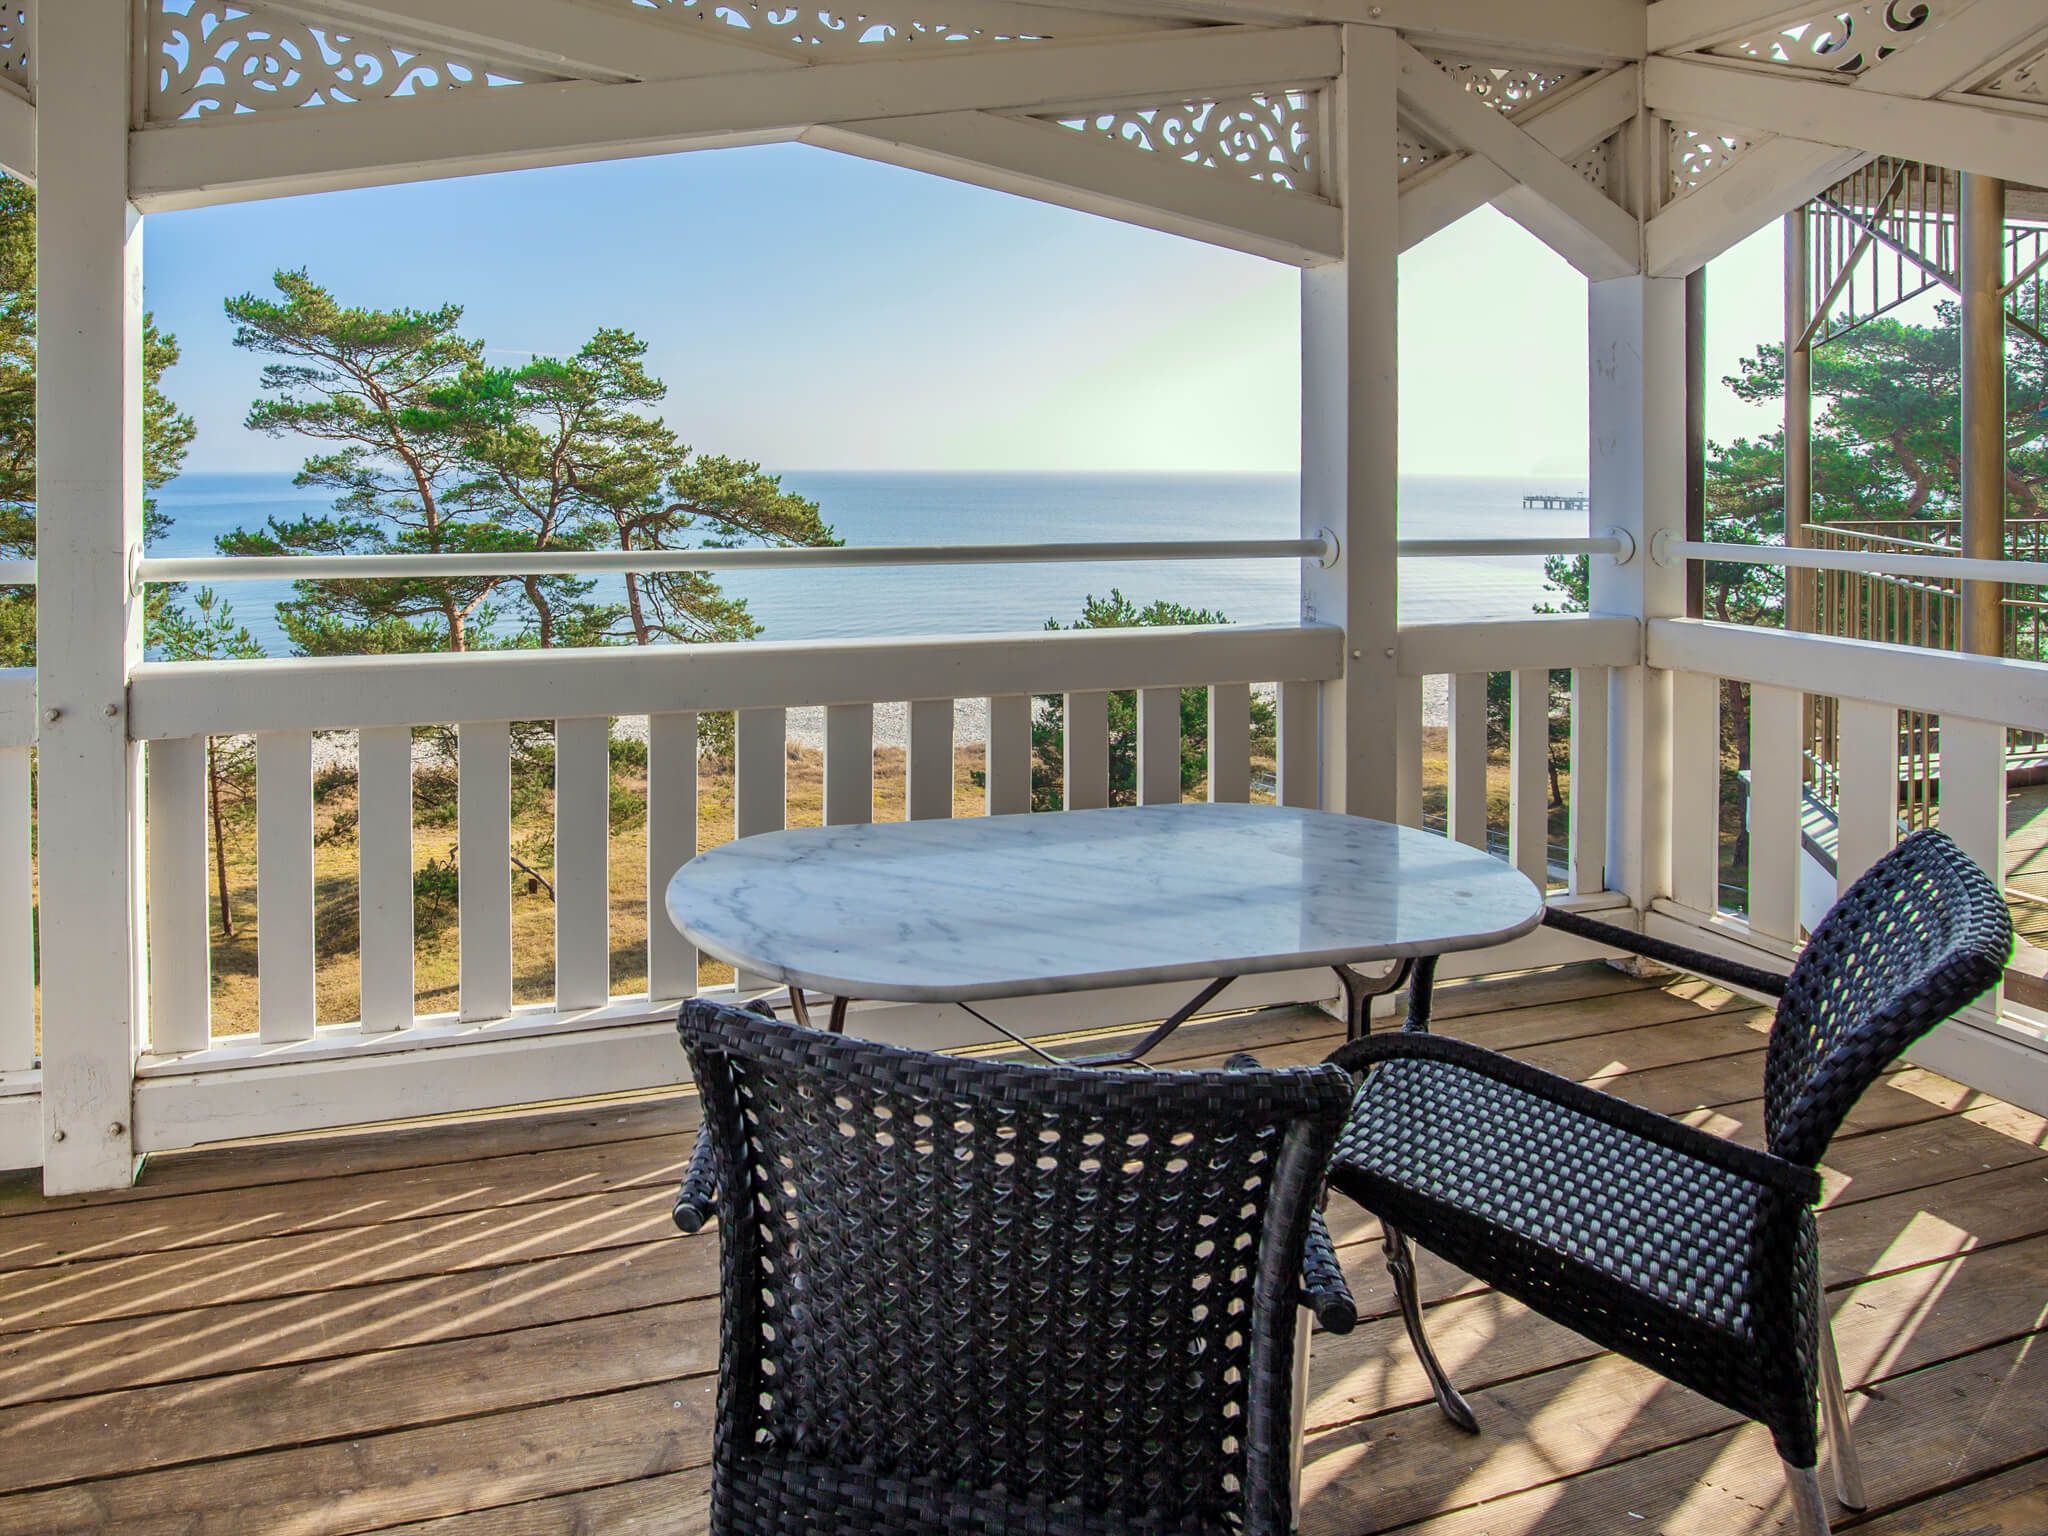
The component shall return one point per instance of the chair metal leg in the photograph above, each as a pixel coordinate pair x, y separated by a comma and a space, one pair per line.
1401, 1265
1834, 1412
1809, 1510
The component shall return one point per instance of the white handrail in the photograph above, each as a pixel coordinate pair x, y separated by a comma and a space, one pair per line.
616, 562
1666, 551
1614, 542
17, 573
1321, 548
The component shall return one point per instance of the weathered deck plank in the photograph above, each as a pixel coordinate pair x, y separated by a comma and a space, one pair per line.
490, 1326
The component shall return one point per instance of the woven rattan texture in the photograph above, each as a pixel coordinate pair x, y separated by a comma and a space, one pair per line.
1920, 935
972, 1297
1694, 1257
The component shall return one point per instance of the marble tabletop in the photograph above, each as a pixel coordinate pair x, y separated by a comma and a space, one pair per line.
1009, 906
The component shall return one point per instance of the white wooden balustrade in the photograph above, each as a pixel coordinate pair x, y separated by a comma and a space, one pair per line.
293, 1073
1976, 700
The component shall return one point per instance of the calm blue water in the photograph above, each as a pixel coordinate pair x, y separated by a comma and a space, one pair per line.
942, 508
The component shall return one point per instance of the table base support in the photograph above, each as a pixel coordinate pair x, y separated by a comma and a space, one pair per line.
1418, 975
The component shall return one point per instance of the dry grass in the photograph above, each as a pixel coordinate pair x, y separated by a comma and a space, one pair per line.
436, 950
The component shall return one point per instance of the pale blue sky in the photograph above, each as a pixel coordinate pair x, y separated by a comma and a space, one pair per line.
815, 311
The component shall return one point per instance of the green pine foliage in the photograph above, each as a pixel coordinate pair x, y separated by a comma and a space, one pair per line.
429, 448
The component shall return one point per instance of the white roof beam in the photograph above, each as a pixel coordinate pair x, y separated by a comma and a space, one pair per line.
1059, 165
592, 42
1764, 183
1580, 117
465, 132
1589, 33
1561, 207
1957, 135
1676, 26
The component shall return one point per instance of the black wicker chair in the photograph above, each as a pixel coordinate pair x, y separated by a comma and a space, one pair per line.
1679, 1249
973, 1297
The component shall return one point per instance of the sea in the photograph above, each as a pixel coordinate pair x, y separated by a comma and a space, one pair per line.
888, 507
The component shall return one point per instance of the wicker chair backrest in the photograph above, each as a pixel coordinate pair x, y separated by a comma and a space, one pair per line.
1067, 1287
1922, 933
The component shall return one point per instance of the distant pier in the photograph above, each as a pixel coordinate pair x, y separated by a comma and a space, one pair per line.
1554, 503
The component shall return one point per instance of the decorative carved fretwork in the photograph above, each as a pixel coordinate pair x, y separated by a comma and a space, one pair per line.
1503, 85
209, 57
1845, 39
17, 26
1697, 155
822, 32
1416, 153
1272, 137
2025, 81
1596, 165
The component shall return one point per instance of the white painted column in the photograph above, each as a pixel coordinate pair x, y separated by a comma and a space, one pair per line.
1349, 441
1637, 414
89, 474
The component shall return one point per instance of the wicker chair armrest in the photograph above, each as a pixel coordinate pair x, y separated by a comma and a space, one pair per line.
1715, 968
1793, 1180
697, 1196
1324, 1291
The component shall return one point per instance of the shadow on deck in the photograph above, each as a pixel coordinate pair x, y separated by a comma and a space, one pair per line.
490, 1326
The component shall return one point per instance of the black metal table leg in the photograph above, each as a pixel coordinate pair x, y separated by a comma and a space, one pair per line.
1359, 991
1420, 985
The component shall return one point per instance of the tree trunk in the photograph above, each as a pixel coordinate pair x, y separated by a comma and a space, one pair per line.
220, 842
633, 608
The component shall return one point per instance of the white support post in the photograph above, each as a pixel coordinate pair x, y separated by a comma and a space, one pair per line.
1637, 462
1350, 451
89, 512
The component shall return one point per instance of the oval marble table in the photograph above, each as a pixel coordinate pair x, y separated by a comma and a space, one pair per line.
1008, 906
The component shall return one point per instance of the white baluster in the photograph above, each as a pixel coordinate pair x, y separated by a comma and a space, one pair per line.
17, 916
180, 1006
1696, 790
671, 843
1529, 775
1467, 758
928, 791
1589, 781
1869, 800
284, 885
1008, 766
1230, 743
1297, 772
849, 764
1085, 759
582, 863
1775, 804
1159, 746
384, 878
483, 830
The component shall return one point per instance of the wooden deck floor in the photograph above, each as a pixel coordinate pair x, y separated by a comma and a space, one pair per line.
490, 1327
